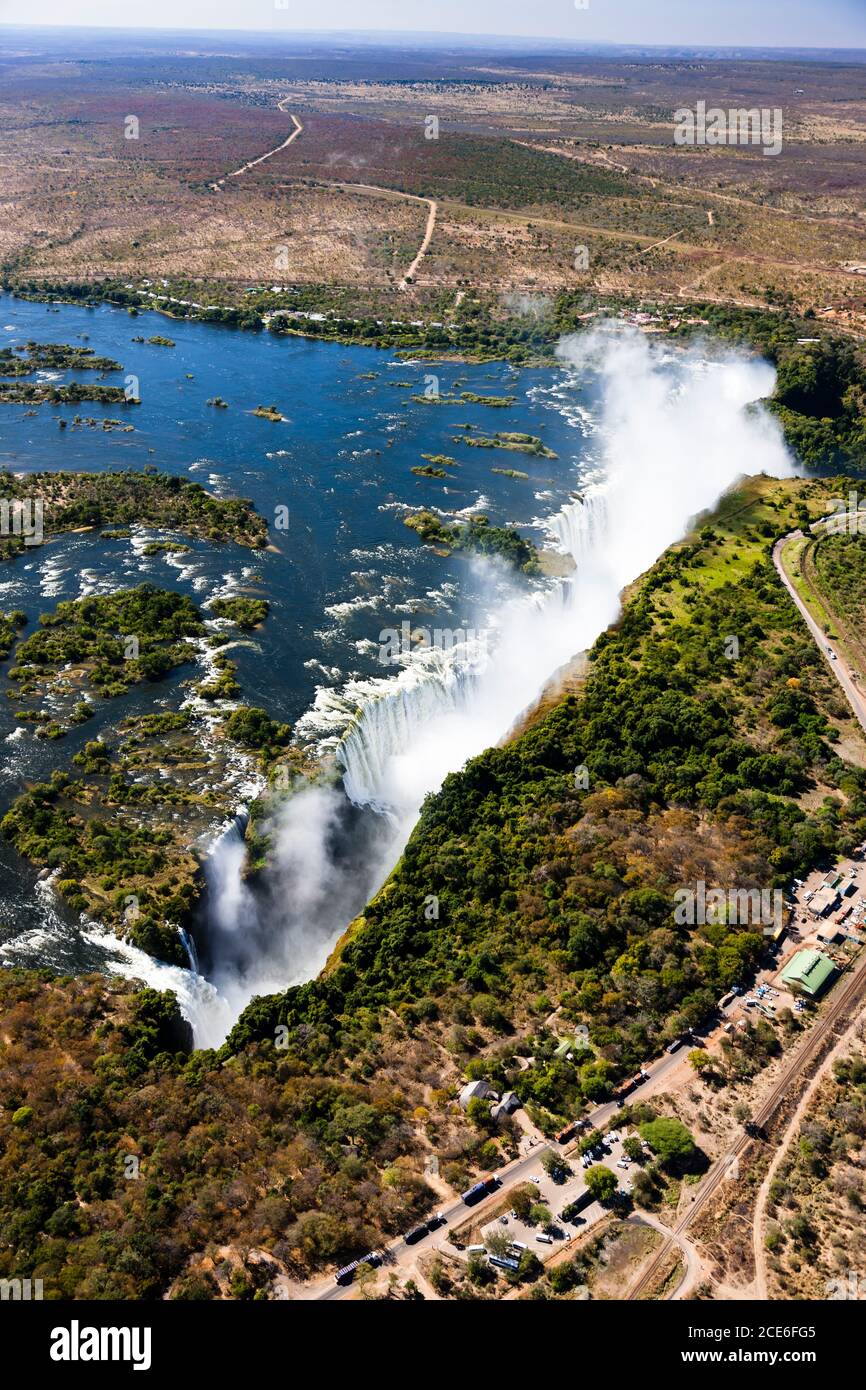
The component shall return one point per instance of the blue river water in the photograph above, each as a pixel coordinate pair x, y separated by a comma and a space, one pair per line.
345, 569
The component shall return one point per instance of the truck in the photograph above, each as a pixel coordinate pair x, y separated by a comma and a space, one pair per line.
417, 1233
567, 1133
478, 1190
622, 1091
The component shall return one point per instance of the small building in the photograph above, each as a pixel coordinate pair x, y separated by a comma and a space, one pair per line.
506, 1106
475, 1090
830, 937
809, 972
824, 901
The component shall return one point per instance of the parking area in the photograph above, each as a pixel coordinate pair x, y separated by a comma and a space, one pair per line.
558, 1196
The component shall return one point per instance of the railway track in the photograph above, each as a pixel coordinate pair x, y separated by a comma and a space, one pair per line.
812, 1045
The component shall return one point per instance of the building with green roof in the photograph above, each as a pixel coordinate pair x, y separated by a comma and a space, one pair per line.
809, 971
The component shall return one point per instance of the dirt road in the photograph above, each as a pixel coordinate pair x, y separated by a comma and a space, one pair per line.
236, 173
847, 995
422, 250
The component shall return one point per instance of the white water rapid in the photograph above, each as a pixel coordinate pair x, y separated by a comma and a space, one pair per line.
676, 429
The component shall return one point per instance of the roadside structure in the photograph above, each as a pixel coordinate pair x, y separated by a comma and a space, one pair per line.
809, 972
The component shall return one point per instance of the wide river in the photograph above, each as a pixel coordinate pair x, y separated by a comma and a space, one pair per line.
345, 570
645, 436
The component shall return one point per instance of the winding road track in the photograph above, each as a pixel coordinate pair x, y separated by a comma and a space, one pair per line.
430, 203
428, 232
251, 164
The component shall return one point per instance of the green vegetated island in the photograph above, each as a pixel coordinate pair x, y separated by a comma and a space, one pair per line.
464, 398
475, 536
106, 643
514, 441
76, 500
18, 363
125, 818
551, 896
121, 828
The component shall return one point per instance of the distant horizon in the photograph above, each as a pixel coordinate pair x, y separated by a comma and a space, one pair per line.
738, 25
463, 37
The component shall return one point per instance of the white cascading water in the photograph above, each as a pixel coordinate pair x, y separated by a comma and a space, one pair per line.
676, 432
199, 1000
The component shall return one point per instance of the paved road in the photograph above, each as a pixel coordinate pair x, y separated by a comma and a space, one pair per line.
510, 1176
839, 666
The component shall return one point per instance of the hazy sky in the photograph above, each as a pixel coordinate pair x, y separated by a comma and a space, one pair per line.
774, 23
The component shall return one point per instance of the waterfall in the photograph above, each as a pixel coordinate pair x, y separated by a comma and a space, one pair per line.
676, 432
231, 906
408, 732
191, 952
200, 1003
392, 714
